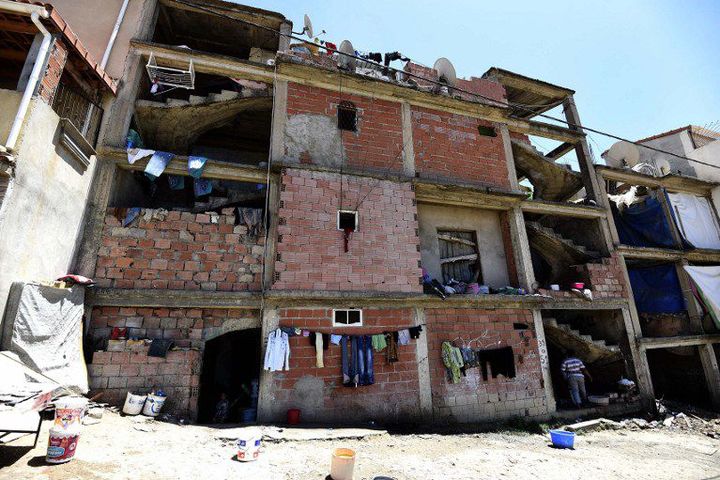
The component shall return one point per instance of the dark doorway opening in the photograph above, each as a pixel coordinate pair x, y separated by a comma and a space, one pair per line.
231, 368
677, 374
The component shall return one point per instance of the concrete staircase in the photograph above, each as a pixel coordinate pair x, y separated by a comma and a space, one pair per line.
537, 229
174, 124
550, 181
587, 348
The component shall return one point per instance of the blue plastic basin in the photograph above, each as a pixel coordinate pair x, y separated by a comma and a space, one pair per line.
562, 439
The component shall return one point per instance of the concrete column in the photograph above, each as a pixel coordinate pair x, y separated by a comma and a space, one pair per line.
604, 201
509, 158
639, 358
279, 119
521, 249
271, 235
712, 372
95, 211
407, 138
674, 231
270, 321
284, 42
693, 309
423, 365
587, 170
544, 361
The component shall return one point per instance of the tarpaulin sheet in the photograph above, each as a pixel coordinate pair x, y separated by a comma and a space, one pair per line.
643, 225
43, 326
695, 219
707, 280
657, 289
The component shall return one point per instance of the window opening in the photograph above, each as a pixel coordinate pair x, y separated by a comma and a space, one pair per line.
347, 116
347, 221
486, 131
347, 317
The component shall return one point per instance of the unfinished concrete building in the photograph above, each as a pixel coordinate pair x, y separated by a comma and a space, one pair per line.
301, 190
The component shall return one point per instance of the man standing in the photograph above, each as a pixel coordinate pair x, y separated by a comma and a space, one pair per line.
575, 372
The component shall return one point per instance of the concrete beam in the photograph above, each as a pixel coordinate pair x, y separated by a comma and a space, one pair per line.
676, 183
639, 357
560, 151
712, 372
694, 310
279, 120
408, 150
272, 233
117, 297
465, 196
521, 250
562, 209
650, 343
582, 150
649, 253
509, 158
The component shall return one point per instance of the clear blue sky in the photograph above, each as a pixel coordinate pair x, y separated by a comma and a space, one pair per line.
638, 67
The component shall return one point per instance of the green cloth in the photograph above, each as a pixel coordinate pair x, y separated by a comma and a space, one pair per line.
379, 343
452, 359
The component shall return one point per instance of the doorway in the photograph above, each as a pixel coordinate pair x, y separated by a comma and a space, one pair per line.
231, 370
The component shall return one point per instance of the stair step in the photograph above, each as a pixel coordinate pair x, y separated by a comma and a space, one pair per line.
174, 102
224, 95
551, 322
197, 99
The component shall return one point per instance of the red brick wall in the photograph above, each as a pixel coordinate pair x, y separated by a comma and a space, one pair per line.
376, 145
605, 279
449, 147
383, 254
474, 399
114, 373
481, 86
319, 392
186, 251
53, 71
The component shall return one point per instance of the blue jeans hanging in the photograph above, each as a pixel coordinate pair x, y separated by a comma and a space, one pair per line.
367, 375
349, 361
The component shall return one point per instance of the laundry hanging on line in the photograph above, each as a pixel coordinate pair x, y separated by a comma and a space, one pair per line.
277, 353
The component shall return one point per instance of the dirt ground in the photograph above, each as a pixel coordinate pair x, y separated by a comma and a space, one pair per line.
125, 447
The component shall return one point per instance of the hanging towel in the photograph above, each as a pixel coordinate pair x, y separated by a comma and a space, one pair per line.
404, 337
451, 362
378, 342
277, 352
196, 166
392, 351
135, 154
501, 360
156, 165
176, 182
319, 351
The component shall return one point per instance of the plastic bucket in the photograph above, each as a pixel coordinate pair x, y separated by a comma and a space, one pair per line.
343, 464
69, 411
62, 444
562, 439
133, 404
248, 445
153, 405
293, 416
249, 415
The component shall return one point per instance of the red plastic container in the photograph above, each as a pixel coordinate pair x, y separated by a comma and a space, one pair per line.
293, 416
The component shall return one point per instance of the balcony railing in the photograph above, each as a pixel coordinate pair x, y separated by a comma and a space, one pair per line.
82, 112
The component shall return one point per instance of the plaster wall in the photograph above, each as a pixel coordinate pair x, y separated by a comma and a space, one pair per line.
95, 34
485, 224
679, 143
43, 211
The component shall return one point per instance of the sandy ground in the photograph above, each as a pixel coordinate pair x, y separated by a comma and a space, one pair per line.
121, 447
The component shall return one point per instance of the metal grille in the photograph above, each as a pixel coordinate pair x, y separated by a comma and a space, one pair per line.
74, 105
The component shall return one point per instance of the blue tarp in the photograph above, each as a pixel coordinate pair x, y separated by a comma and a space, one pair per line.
657, 289
643, 225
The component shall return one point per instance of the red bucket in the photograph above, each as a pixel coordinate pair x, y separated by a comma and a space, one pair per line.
293, 416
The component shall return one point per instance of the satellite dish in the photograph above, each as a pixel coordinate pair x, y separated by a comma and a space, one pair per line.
663, 166
308, 29
446, 71
622, 154
345, 62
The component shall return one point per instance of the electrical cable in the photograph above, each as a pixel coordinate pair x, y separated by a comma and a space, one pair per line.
572, 125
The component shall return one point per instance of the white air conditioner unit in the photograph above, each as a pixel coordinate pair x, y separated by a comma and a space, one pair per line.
171, 77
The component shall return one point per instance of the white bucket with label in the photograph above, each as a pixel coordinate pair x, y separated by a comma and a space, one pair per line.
69, 411
248, 444
153, 405
62, 443
133, 404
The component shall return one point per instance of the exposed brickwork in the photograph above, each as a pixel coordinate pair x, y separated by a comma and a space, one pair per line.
481, 86
383, 253
376, 145
116, 373
605, 279
53, 71
186, 251
449, 147
319, 392
474, 399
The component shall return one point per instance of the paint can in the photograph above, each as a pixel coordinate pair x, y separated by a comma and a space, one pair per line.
62, 444
343, 464
153, 405
133, 404
69, 411
248, 445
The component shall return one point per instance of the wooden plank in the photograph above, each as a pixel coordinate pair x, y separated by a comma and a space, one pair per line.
449, 238
460, 258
